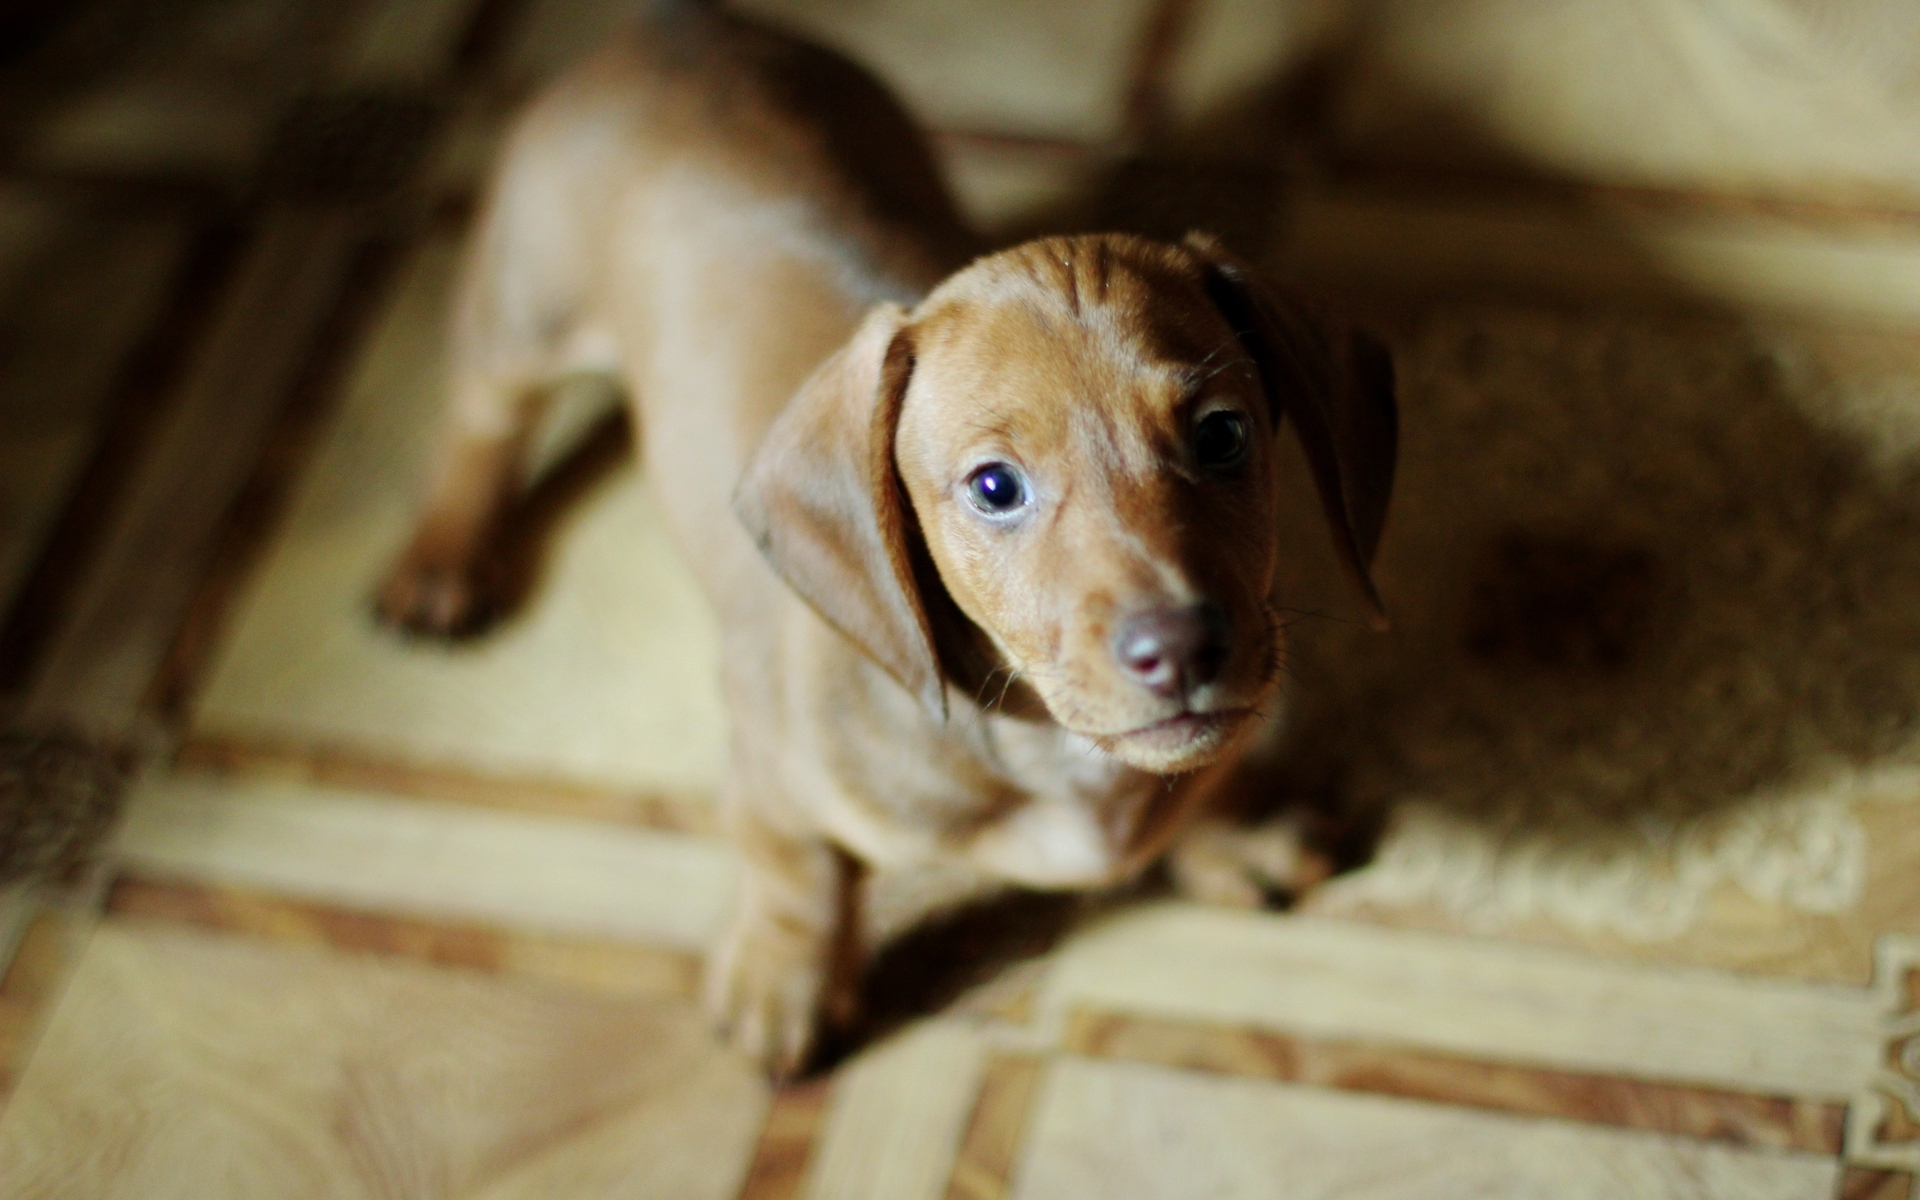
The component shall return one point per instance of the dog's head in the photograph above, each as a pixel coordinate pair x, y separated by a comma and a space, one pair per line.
1060, 469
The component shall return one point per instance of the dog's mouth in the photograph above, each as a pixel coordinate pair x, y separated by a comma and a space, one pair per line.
1179, 743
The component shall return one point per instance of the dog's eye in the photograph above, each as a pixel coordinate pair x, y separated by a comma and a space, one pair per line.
996, 488
1220, 440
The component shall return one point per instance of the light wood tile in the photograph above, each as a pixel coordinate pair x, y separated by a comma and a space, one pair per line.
1779, 97
1023, 68
180, 1064
1736, 1118
897, 1116
607, 679
1474, 998
376, 853
1126, 1130
597, 965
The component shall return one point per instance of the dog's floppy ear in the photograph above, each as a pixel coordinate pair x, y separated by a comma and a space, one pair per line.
1337, 387
823, 499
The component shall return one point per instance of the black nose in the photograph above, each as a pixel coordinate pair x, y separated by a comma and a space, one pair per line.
1170, 651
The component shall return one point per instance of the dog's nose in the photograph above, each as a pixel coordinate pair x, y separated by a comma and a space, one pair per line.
1170, 651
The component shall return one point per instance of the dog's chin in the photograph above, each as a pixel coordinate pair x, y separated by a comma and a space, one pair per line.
1180, 744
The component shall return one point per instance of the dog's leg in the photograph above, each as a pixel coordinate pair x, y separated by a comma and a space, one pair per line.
1217, 862
445, 582
791, 957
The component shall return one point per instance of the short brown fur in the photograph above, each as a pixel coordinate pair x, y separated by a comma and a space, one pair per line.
752, 237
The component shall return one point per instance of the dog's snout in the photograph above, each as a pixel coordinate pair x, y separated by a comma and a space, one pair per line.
1170, 651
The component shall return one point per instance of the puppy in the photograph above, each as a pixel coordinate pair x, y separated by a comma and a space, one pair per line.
991, 538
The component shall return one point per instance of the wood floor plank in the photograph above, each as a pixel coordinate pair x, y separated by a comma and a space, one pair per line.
785, 1152
1735, 1118
98, 666
598, 965
984, 1167
181, 1063
1476, 998
340, 766
898, 1115
141, 393
606, 679
371, 852
1132, 1131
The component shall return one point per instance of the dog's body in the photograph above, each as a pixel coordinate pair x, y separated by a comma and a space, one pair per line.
730, 221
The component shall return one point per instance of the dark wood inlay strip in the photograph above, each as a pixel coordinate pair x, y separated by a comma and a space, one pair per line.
361, 770
146, 386
1870, 1183
1710, 1114
40, 964
1038, 145
599, 965
990, 1148
779, 1170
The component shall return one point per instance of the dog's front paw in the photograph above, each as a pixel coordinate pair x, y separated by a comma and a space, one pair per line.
766, 989
1265, 866
437, 590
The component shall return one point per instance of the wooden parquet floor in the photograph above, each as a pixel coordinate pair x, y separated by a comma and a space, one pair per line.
385, 920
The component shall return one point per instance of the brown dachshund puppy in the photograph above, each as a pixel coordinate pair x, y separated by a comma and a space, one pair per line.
991, 542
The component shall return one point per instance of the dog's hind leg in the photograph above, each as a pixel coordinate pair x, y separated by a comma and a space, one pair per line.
516, 331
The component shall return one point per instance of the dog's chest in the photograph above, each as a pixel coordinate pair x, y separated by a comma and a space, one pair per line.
1076, 814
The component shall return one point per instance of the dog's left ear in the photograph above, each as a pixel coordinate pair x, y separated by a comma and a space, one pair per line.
823, 499
1337, 387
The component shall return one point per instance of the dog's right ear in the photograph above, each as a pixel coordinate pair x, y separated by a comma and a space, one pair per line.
1336, 385
823, 499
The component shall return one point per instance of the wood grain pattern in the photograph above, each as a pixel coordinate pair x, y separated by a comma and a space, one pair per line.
898, 1115
983, 1170
780, 1162
367, 851
182, 1063
332, 765
1136, 1131
618, 968
1736, 1118
1475, 998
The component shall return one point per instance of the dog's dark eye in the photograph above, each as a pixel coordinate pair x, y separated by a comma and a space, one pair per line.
996, 488
1220, 440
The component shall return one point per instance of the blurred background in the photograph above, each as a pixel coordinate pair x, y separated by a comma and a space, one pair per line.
1624, 808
